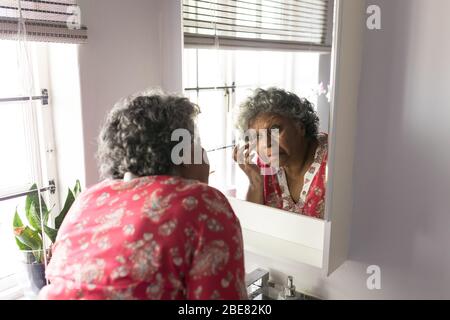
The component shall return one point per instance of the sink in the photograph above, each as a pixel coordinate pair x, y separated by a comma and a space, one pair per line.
271, 293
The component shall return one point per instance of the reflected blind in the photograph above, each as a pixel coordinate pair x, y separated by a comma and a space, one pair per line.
45, 20
256, 23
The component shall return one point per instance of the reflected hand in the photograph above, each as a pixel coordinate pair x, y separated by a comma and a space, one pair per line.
245, 160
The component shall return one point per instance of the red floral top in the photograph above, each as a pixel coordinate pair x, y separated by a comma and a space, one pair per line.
152, 238
312, 197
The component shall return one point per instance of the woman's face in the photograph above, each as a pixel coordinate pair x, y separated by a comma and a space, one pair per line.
196, 171
285, 146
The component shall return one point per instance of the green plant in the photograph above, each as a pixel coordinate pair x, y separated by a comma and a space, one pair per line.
29, 236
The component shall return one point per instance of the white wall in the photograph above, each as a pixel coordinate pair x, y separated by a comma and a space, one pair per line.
402, 175
67, 121
171, 46
128, 49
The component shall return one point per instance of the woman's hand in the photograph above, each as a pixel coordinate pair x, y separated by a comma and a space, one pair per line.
244, 159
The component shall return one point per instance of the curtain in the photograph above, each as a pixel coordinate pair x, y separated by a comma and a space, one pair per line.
42, 20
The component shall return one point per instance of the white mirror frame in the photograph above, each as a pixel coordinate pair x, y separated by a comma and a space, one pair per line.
320, 243
279, 234
347, 56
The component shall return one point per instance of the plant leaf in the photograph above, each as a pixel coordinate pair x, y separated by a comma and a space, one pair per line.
17, 224
29, 199
77, 189
33, 199
47, 215
68, 203
52, 233
29, 237
22, 246
33, 217
39, 256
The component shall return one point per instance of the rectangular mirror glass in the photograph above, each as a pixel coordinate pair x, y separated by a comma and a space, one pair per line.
261, 75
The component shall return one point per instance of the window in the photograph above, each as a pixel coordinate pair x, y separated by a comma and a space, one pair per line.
26, 141
220, 80
282, 24
32, 35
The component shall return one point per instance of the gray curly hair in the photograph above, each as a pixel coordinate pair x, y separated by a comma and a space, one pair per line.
281, 102
136, 136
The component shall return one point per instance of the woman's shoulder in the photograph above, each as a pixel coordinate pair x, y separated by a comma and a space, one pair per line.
182, 188
200, 190
322, 149
204, 198
173, 189
322, 138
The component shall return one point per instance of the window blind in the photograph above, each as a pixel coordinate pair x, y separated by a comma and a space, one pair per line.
45, 20
284, 24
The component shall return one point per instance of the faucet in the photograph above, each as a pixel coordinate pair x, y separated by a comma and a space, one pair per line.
257, 282
259, 287
289, 292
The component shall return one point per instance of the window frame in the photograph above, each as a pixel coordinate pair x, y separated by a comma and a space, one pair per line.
42, 154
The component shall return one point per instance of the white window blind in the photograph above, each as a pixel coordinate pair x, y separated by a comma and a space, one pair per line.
283, 24
45, 20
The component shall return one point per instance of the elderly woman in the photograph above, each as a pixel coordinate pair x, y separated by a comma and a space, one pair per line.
287, 140
152, 229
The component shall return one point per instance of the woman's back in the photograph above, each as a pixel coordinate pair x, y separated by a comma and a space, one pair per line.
158, 237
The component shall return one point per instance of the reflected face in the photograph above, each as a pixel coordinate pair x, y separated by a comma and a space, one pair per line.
285, 146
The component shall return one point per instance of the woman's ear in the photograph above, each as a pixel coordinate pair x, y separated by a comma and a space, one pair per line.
301, 129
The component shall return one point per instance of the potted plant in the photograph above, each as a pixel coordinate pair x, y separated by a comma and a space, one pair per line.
29, 235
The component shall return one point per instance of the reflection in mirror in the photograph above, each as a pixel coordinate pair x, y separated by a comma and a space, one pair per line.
264, 99
224, 82
290, 149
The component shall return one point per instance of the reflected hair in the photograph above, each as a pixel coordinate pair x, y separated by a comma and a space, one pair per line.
280, 102
136, 136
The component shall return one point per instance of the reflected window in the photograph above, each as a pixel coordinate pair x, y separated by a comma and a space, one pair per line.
220, 80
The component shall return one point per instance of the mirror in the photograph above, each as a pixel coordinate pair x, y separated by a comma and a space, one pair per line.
222, 69
285, 125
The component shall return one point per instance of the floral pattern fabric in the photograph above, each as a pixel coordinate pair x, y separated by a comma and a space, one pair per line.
152, 238
312, 197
